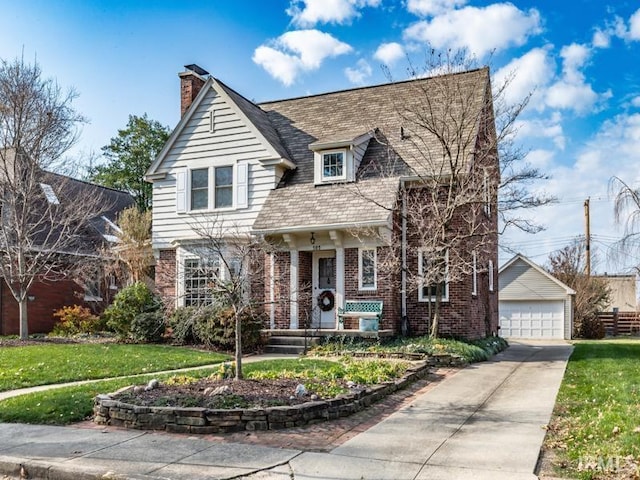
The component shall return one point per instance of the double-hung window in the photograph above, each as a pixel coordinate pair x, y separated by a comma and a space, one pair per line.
223, 187
367, 269
212, 188
200, 189
333, 165
433, 271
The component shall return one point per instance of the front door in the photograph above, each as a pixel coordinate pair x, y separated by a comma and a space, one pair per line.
324, 289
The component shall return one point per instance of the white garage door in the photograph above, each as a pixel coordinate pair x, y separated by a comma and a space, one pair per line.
539, 319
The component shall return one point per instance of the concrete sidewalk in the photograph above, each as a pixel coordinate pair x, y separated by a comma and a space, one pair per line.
485, 422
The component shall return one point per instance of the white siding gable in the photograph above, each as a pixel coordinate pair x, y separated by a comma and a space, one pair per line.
231, 142
520, 281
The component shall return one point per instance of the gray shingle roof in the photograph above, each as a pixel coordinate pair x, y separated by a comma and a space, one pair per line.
307, 205
259, 118
386, 110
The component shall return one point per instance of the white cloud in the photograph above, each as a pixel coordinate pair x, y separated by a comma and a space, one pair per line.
389, 53
635, 101
572, 91
298, 51
360, 73
601, 39
525, 75
540, 159
425, 8
307, 13
550, 128
467, 28
634, 26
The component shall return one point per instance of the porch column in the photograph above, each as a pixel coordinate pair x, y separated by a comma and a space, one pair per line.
272, 291
339, 280
293, 289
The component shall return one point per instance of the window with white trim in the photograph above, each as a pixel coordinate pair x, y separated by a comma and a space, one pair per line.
491, 275
212, 188
200, 189
198, 277
433, 271
334, 165
474, 286
367, 274
223, 185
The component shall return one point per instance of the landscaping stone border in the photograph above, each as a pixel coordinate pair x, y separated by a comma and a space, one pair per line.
109, 411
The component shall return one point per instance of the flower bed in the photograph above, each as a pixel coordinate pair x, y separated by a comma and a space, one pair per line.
110, 411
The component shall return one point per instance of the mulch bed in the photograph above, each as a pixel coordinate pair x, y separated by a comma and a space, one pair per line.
241, 394
16, 342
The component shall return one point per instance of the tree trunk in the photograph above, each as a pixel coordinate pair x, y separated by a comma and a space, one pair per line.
435, 323
238, 347
24, 324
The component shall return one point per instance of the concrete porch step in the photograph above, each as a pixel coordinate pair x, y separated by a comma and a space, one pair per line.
285, 349
282, 340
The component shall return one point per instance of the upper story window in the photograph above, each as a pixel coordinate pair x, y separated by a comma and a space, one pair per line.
212, 188
223, 187
200, 189
333, 165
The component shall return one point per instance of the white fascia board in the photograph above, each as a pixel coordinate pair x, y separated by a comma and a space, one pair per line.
322, 227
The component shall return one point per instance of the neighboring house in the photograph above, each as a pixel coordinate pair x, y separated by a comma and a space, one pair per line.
533, 303
623, 296
47, 295
320, 177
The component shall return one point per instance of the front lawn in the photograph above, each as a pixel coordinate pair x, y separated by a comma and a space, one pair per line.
595, 429
73, 404
45, 364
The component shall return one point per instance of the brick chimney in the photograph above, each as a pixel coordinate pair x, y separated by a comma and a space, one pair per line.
191, 82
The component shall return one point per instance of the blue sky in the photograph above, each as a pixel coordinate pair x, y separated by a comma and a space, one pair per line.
579, 57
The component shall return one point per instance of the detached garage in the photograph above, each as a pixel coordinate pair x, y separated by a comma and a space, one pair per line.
533, 303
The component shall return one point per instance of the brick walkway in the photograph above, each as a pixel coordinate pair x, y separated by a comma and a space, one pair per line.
325, 436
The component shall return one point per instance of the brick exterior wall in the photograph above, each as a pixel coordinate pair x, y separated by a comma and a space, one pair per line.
49, 297
387, 288
166, 273
282, 289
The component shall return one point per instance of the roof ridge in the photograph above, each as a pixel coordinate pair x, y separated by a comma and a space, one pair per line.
367, 87
86, 182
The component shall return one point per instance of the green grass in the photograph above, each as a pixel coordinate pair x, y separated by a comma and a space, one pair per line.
596, 420
469, 351
72, 404
33, 365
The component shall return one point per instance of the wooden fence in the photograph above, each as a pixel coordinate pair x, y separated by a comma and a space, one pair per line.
620, 323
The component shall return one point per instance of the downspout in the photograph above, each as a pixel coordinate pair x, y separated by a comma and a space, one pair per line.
403, 273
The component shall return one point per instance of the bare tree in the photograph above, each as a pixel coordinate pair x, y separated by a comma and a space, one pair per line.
626, 212
447, 167
234, 262
43, 220
592, 293
133, 247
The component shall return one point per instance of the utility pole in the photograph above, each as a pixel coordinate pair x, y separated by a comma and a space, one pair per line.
587, 236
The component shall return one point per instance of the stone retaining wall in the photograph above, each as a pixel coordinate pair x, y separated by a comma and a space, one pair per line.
109, 411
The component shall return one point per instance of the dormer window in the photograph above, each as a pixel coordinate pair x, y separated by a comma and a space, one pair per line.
333, 165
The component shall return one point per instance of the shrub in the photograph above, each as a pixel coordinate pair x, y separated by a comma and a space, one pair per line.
74, 320
147, 327
214, 326
592, 328
182, 323
127, 304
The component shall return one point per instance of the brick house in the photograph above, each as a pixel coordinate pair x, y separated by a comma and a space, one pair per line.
324, 179
53, 291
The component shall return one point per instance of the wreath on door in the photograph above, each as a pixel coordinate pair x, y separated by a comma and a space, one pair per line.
326, 301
